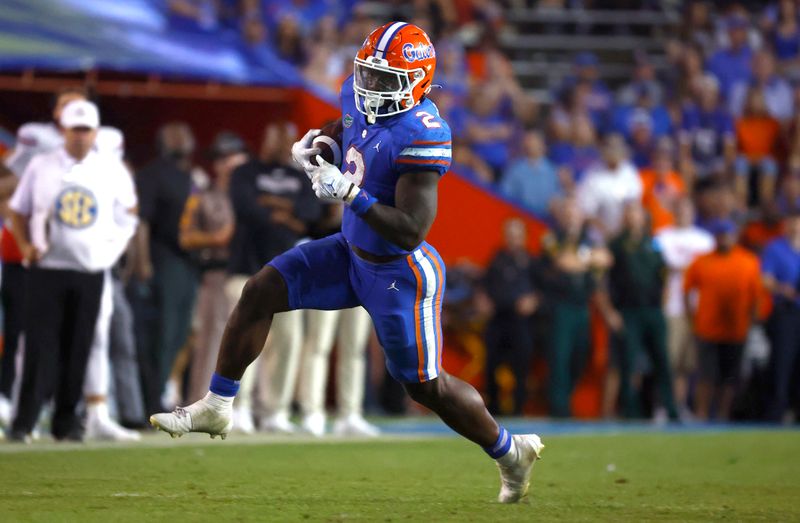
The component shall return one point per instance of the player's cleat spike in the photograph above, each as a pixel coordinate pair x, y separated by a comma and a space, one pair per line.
515, 478
200, 416
223, 436
213, 436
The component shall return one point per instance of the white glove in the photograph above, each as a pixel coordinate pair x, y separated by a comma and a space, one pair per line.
329, 183
302, 151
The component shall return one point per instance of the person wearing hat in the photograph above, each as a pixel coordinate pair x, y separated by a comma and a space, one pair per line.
206, 229
33, 138
721, 292
72, 214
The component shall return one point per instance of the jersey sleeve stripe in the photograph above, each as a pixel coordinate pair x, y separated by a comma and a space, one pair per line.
423, 142
422, 161
439, 152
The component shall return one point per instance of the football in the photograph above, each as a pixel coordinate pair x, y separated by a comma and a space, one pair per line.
330, 143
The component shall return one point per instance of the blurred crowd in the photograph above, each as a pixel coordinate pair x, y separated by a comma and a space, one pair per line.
672, 202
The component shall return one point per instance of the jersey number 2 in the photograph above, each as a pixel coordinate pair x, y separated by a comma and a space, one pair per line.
427, 120
354, 161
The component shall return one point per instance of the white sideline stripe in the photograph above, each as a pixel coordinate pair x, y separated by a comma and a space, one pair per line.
429, 151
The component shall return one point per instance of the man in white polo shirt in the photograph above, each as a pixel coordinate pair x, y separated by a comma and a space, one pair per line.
72, 215
36, 138
607, 186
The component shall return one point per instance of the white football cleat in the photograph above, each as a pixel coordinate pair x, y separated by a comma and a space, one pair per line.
243, 420
314, 424
200, 416
108, 430
278, 423
515, 478
355, 425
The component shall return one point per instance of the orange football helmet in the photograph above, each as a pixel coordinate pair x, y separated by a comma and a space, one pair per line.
393, 70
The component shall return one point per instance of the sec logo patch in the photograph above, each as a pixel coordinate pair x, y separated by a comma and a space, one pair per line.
76, 207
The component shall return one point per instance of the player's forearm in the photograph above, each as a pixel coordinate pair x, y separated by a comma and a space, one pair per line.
396, 226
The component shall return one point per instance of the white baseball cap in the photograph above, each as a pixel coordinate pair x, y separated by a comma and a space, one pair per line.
80, 113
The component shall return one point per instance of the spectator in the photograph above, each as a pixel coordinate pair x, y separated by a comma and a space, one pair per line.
644, 107
585, 89
581, 151
206, 230
644, 81
708, 143
509, 284
288, 41
757, 135
788, 199
607, 186
468, 164
164, 187
786, 36
714, 200
697, 27
727, 283
488, 126
532, 180
273, 203
780, 267
642, 141
680, 245
662, 187
691, 71
636, 287
570, 263
776, 93
763, 228
72, 215
732, 64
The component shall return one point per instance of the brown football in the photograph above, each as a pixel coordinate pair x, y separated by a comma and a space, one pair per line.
330, 143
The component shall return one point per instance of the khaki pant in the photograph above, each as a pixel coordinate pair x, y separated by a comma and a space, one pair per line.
681, 345
211, 314
275, 370
353, 327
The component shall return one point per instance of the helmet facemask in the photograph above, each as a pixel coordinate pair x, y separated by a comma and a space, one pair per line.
383, 90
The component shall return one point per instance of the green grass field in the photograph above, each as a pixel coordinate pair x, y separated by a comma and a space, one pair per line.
667, 477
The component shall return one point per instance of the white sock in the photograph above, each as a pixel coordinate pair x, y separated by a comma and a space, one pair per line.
510, 457
98, 410
220, 403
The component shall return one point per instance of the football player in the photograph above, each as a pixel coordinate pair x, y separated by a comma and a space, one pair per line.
395, 148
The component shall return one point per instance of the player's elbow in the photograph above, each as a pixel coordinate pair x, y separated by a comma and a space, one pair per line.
410, 241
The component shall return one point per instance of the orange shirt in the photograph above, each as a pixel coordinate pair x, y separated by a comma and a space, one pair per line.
658, 196
728, 286
757, 234
757, 136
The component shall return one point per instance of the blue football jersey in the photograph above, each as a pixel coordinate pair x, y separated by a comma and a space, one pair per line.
376, 155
